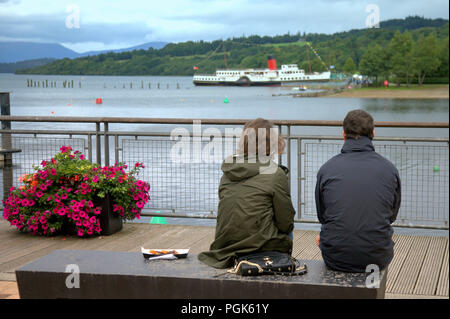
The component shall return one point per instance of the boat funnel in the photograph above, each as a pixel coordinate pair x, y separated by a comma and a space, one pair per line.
271, 62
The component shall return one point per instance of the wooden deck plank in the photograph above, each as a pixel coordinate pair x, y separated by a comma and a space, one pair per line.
401, 249
442, 288
429, 274
302, 243
407, 278
204, 243
185, 238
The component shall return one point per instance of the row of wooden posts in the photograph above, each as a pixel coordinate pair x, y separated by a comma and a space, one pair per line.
69, 84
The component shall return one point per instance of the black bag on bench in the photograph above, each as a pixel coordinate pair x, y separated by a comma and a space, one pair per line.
268, 263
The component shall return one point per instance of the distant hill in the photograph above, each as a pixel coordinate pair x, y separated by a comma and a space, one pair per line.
11, 52
251, 52
155, 45
14, 66
21, 51
411, 23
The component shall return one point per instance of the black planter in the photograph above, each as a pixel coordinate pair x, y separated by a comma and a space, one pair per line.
110, 222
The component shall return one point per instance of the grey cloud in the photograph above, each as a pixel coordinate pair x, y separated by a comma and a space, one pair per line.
53, 29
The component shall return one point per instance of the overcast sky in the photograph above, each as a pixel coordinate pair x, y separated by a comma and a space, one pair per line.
111, 24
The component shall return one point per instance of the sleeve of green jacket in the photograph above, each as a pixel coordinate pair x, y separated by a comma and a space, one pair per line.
282, 204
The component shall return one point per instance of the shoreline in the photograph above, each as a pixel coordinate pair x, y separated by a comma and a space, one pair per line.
414, 92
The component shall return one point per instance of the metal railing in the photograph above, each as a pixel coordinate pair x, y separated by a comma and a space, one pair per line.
190, 190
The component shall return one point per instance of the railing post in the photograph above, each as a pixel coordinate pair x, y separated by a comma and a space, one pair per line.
6, 144
289, 154
299, 178
98, 143
280, 159
105, 127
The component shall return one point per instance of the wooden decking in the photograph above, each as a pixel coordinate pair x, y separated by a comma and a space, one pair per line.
419, 269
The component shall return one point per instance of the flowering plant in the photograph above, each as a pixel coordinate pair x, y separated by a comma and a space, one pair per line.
66, 190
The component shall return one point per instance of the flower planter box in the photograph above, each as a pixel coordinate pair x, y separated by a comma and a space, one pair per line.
110, 221
62, 197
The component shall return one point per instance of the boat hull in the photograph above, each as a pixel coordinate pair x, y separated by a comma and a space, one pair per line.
223, 83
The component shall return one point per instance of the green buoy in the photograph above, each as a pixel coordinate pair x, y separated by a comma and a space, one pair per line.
226, 100
436, 168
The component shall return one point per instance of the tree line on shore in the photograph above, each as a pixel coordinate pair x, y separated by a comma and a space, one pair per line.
411, 49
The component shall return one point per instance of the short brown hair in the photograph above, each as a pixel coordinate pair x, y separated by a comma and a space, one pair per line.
263, 129
358, 123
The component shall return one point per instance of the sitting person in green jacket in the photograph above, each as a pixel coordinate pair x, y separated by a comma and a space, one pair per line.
255, 210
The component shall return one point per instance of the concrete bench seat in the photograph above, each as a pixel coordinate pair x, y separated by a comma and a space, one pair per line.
109, 274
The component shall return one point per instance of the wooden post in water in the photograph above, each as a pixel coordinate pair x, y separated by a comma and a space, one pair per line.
158, 85
149, 85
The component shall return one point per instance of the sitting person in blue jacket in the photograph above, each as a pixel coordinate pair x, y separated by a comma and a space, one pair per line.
357, 199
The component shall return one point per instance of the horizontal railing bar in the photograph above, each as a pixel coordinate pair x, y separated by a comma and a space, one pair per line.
212, 216
50, 132
166, 134
129, 120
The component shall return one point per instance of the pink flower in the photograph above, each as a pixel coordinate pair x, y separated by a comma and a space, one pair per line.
139, 183
82, 157
140, 204
44, 163
80, 232
53, 171
95, 179
63, 149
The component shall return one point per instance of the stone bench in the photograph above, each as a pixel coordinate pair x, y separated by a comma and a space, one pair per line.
109, 274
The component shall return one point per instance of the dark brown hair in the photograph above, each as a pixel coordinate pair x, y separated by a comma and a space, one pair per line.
257, 133
358, 123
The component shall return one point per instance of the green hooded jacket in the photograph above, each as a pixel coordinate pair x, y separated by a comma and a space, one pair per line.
255, 211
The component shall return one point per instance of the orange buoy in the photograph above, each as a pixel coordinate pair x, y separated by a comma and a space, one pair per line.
98, 101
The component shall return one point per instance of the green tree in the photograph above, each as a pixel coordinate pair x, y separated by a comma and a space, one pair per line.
349, 66
374, 62
426, 56
402, 60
